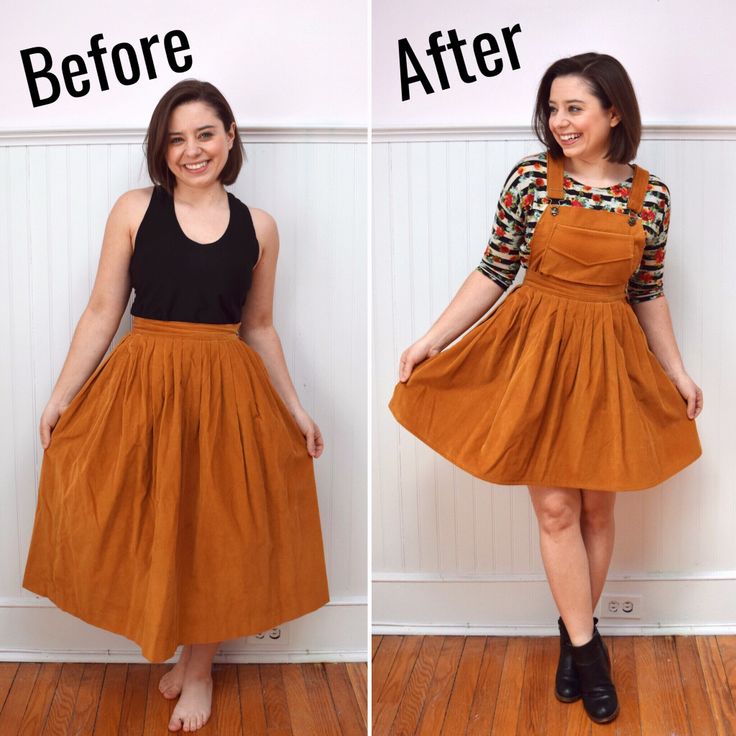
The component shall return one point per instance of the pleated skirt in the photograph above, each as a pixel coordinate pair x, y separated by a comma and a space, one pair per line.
177, 500
552, 388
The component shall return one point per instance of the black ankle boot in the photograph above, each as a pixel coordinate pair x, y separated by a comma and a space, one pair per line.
593, 666
567, 682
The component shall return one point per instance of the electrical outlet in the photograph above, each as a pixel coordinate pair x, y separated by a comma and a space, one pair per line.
620, 605
273, 634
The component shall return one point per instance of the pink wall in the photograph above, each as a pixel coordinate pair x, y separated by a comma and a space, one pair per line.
679, 54
285, 63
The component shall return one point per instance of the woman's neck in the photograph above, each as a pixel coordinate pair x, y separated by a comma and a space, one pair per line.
597, 172
197, 196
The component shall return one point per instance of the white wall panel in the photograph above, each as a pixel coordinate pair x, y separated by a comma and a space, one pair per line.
54, 203
434, 202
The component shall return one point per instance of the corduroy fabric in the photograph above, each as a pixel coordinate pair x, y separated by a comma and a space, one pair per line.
557, 385
177, 501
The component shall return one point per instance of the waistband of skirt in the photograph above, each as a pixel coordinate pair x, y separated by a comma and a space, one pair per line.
569, 290
199, 330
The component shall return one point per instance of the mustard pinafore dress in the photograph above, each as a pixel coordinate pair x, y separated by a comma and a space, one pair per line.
557, 385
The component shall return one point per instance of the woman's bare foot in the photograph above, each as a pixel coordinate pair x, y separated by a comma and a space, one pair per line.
170, 684
195, 702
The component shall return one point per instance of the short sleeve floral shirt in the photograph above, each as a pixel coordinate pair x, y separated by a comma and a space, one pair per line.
524, 198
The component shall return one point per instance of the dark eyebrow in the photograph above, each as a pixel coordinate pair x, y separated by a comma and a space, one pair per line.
568, 101
202, 127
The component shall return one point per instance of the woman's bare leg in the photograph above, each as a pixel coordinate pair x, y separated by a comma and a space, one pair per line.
170, 684
194, 707
565, 557
598, 530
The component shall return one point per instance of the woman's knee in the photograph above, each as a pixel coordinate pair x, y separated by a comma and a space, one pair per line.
557, 509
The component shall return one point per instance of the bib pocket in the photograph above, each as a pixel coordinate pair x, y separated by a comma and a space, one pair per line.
586, 256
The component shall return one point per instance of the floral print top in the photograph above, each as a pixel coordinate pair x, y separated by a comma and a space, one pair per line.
524, 198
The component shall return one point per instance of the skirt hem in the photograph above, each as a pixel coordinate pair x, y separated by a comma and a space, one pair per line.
583, 485
204, 638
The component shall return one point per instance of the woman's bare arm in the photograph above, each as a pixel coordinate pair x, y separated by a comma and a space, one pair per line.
101, 317
258, 331
656, 322
474, 298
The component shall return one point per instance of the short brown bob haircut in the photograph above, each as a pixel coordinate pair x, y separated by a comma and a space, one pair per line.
157, 136
609, 82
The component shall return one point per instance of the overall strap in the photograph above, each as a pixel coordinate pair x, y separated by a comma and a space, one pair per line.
638, 189
555, 171
555, 174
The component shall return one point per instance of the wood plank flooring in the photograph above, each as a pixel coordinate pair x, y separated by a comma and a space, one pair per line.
51, 699
455, 686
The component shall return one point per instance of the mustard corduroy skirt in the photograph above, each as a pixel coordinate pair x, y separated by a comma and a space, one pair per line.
177, 499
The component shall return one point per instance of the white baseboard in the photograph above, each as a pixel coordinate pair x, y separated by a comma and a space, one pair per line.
229, 656
507, 607
551, 630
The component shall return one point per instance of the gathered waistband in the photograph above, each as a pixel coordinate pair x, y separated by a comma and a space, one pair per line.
569, 290
199, 330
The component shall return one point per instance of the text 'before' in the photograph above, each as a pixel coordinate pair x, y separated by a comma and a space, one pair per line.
38, 63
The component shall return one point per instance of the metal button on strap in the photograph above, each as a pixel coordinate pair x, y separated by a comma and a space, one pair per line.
555, 210
632, 219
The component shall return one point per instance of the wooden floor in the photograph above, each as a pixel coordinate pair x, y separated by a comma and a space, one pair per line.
666, 686
51, 699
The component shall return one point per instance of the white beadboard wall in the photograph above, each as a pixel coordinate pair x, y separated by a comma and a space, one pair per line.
453, 554
55, 197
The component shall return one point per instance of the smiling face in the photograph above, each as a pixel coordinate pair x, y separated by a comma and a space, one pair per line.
577, 120
198, 145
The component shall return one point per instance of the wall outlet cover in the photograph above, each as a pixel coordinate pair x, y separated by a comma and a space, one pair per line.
621, 605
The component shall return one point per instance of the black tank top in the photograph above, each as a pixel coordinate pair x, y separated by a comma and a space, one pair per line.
176, 278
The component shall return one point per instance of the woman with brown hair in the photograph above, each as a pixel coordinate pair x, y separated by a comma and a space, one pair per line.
177, 501
573, 385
